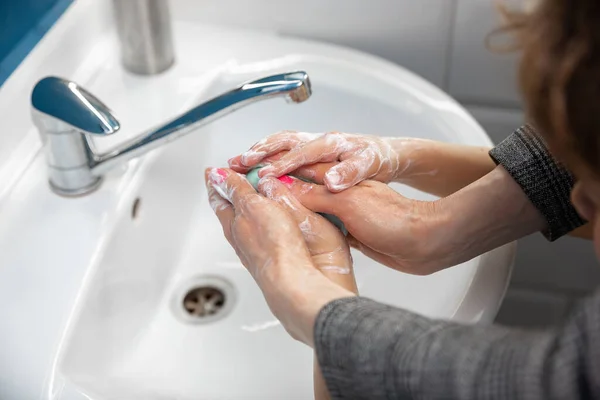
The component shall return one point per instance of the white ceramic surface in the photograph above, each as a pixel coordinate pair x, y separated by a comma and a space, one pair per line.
414, 34
477, 74
88, 291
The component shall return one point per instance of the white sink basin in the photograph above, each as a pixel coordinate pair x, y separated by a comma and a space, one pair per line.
132, 336
114, 267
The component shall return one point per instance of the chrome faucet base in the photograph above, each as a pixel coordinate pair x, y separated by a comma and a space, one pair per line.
78, 192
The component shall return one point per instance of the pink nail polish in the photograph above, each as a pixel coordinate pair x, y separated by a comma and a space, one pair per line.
217, 175
286, 180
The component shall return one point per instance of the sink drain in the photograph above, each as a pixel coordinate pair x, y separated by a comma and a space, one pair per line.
204, 299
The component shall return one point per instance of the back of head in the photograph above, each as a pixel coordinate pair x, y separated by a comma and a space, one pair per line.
559, 74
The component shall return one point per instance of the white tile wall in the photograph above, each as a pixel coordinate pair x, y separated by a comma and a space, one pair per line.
477, 75
497, 122
412, 33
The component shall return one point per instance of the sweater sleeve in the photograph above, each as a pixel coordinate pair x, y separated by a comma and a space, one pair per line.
368, 350
546, 183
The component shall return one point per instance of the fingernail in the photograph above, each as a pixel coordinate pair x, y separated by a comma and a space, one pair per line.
251, 157
286, 180
333, 177
217, 175
244, 158
230, 161
266, 171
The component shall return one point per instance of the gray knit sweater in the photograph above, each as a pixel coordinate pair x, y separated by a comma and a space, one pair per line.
369, 350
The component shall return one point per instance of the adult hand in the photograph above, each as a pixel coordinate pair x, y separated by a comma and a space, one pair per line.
396, 231
361, 157
421, 237
341, 160
289, 251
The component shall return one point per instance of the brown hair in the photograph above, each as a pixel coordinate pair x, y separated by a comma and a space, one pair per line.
559, 74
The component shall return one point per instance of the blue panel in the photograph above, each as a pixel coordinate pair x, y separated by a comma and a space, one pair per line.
22, 24
17, 18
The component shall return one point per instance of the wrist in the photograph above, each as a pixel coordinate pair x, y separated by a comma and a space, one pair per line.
411, 154
297, 298
434, 229
309, 299
439, 168
449, 242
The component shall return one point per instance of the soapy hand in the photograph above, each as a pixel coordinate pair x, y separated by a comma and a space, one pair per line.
401, 233
341, 160
298, 259
360, 157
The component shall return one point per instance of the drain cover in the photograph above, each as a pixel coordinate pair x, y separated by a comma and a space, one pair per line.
204, 301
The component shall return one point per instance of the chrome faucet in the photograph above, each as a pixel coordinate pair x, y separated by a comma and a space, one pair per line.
68, 116
145, 34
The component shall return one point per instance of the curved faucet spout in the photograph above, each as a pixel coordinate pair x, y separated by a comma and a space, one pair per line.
294, 86
66, 114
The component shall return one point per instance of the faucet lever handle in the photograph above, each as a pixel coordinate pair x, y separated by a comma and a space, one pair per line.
68, 102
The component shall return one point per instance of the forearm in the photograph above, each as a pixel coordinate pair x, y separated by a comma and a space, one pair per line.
486, 214
528, 192
439, 168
